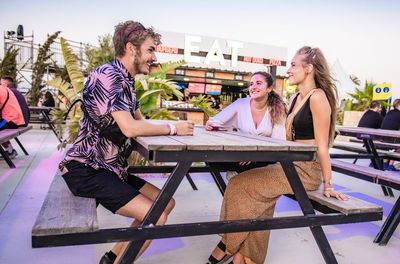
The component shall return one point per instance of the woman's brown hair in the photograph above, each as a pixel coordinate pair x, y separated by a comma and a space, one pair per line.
276, 105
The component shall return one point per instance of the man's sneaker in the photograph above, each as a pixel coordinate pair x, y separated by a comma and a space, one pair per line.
13, 154
391, 168
108, 258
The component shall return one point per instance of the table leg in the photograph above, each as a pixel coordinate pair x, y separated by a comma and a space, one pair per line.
306, 207
390, 225
190, 180
157, 208
378, 164
20, 145
217, 178
6, 157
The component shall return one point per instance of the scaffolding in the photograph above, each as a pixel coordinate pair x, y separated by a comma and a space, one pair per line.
28, 51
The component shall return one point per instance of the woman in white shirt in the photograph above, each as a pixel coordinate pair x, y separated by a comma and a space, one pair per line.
263, 114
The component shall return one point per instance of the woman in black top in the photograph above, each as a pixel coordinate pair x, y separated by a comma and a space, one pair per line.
253, 194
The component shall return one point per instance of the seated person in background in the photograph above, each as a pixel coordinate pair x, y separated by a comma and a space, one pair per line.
372, 118
49, 100
10, 116
215, 102
9, 82
391, 121
263, 114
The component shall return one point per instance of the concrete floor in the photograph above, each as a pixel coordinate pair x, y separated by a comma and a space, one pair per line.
22, 191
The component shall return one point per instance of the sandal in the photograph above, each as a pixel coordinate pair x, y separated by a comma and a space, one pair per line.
213, 260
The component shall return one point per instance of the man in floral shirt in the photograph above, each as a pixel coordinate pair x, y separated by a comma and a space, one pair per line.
96, 164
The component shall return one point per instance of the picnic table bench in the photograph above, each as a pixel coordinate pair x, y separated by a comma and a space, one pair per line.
375, 174
65, 219
7, 135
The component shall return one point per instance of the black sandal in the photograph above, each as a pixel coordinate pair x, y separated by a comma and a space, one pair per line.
213, 260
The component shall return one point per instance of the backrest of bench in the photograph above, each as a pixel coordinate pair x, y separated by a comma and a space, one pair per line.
62, 212
351, 206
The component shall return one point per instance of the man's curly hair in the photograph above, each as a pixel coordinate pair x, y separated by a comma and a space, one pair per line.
133, 32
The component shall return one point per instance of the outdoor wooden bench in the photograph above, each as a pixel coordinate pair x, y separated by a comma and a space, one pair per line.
384, 178
63, 214
8, 134
390, 179
359, 148
65, 219
378, 144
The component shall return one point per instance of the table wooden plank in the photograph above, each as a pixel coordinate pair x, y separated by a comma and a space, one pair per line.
289, 145
165, 143
240, 142
364, 132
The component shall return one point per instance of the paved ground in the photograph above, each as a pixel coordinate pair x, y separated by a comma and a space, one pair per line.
22, 191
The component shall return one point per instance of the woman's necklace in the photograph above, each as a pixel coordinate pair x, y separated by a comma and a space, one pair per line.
261, 109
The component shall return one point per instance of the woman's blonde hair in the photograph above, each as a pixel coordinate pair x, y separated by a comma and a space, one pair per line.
323, 80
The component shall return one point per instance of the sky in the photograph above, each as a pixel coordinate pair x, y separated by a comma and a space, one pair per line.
363, 35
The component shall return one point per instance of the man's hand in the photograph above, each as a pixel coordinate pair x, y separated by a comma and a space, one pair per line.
184, 128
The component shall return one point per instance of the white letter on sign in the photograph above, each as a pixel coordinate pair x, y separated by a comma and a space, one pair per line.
189, 49
235, 46
215, 54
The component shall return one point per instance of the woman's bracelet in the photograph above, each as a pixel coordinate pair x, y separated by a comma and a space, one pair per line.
328, 189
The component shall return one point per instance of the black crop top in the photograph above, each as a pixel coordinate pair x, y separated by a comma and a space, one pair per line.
303, 121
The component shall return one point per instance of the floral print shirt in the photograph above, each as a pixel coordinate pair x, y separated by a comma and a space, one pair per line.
108, 88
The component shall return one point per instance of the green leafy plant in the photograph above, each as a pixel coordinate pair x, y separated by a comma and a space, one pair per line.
100, 55
40, 68
363, 98
69, 91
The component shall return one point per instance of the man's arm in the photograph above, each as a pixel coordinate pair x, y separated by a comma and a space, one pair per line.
141, 127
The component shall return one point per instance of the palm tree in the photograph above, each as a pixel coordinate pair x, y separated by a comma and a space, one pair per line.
8, 65
363, 97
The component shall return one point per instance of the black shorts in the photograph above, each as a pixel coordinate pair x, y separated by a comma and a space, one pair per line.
103, 185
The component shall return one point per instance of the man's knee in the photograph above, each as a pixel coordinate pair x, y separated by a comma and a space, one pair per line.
163, 219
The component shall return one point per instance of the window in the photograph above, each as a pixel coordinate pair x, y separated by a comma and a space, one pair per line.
209, 75
238, 77
179, 71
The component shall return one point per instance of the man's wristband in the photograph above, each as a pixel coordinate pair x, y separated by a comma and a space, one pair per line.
172, 129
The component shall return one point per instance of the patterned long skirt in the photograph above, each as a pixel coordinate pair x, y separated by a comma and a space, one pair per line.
253, 194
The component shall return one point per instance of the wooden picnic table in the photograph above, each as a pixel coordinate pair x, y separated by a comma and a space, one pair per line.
219, 146
369, 135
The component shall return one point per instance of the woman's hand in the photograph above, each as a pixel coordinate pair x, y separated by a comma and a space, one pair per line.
209, 125
330, 192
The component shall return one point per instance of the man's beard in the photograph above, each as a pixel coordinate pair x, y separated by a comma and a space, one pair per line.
137, 62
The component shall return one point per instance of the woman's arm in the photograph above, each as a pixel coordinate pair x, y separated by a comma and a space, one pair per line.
225, 117
321, 113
